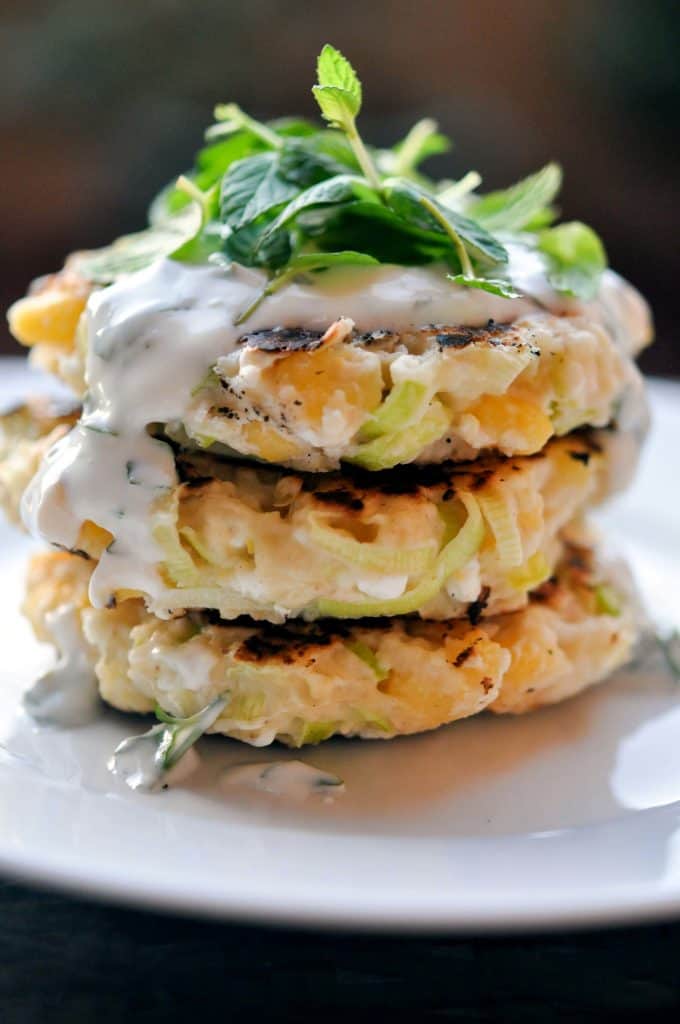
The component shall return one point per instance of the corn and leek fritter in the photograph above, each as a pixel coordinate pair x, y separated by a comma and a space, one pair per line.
301, 683
276, 544
313, 398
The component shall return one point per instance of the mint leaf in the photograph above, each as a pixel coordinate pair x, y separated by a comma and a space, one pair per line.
306, 263
306, 162
576, 258
331, 192
252, 187
488, 284
375, 229
414, 205
338, 92
513, 209
248, 246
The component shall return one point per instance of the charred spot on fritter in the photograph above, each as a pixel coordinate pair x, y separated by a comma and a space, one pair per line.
587, 438
289, 643
339, 496
381, 335
476, 609
401, 480
545, 591
481, 479
460, 337
463, 656
283, 339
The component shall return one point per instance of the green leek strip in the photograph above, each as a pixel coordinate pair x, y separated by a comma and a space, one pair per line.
399, 408
193, 538
453, 557
178, 562
465, 544
535, 571
315, 732
210, 597
402, 445
373, 557
369, 657
503, 524
452, 517
375, 721
607, 601
247, 707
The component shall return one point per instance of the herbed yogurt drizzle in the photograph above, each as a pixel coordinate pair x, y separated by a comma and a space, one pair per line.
152, 338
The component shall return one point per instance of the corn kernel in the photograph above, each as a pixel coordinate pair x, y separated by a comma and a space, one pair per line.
500, 413
50, 317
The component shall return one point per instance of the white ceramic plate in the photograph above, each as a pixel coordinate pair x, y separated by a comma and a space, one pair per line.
567, 816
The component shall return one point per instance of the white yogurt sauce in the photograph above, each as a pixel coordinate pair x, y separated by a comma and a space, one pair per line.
154, 335
67, 695
292, 780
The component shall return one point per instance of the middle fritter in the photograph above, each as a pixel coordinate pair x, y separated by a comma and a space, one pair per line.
440, 541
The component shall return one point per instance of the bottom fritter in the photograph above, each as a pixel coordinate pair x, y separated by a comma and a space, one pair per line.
372, 678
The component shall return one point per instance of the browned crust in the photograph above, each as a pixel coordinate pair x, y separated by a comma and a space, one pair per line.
351, 488
300, 339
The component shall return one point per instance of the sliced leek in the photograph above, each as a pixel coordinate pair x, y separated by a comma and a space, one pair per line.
401, 406
315, 732
607, 601
402, 445
178, 563
536, 570
451, 558
369, 657
194, 538
373, 557
502, 521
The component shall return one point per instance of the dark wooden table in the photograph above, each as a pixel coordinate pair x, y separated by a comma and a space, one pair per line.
63, 961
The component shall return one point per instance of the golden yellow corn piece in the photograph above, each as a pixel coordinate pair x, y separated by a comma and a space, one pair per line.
49, 316
499, 413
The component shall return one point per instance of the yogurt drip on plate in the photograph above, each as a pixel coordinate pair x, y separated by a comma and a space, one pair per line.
152, 338
67, 694
293, 780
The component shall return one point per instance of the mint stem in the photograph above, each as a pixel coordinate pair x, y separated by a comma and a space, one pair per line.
363, 158
461, 251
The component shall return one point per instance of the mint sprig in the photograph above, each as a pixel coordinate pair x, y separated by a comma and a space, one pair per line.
295, 199
143, 761
339, 96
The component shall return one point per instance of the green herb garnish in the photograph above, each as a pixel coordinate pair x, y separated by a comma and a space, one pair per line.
295, 199
142, 761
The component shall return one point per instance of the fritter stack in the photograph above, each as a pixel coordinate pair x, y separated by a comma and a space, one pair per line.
338, 519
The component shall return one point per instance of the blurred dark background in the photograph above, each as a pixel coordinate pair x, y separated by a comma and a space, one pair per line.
101, 103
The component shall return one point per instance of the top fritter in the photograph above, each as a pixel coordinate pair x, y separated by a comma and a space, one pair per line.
306, 300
